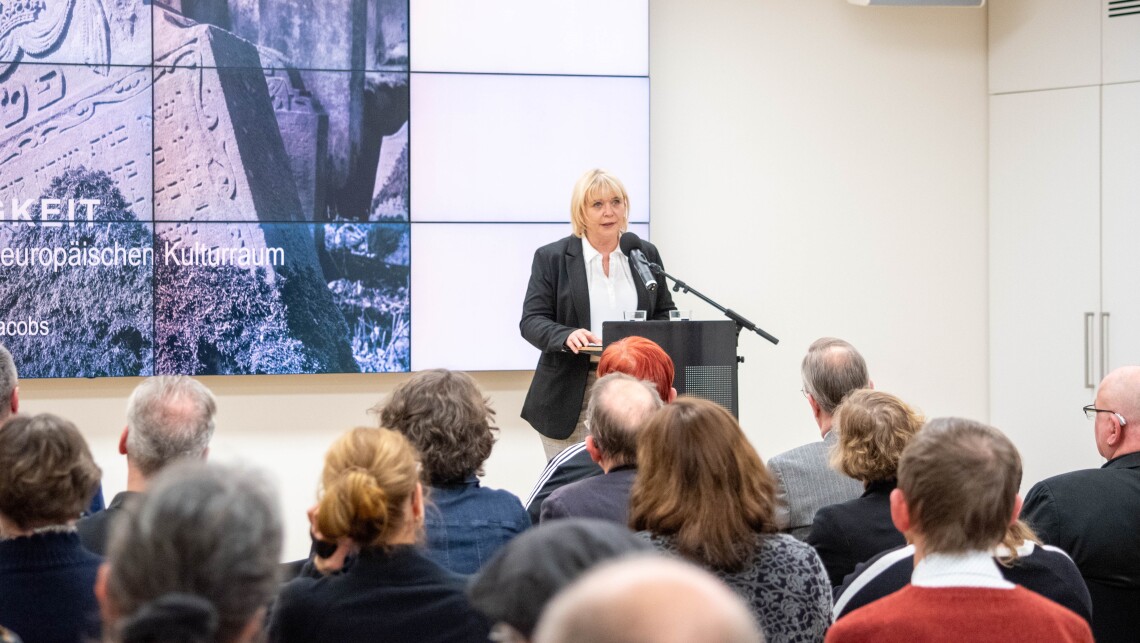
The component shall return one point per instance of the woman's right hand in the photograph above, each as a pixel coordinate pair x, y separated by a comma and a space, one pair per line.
581, 338
334, 562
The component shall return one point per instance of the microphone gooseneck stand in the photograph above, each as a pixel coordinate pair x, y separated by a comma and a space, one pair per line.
741, 321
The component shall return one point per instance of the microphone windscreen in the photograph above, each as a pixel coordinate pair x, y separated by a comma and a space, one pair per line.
629, 242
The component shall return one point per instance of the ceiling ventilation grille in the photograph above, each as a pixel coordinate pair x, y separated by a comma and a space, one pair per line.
1121, 8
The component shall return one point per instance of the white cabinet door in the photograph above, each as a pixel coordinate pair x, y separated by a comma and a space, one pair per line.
1121, 36
1044, 273
1120, 220
1044, 44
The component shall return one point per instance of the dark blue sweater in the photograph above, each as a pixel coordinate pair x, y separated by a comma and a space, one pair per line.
398, 596
47, 588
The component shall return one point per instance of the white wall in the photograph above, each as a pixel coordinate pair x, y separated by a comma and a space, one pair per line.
821, 168
817, 166
283, 424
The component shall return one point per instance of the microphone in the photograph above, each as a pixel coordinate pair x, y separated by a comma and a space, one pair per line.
630, 245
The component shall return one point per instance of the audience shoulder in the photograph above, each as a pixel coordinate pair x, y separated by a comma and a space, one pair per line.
298, 609
802, 552
861, 579
553, 507
795, 454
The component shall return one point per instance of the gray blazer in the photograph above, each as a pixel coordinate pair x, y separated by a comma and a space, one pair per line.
805, 483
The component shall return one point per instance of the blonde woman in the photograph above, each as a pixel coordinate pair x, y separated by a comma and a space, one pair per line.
874, 428
376, 585
576, 284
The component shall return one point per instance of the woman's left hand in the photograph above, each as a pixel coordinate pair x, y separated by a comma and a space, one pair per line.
334, 562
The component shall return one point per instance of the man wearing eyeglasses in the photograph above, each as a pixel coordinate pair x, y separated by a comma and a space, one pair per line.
805, 481
1094, 514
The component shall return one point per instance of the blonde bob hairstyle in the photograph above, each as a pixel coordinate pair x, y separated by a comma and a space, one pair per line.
369, 478
700, 481
592, 184
874, 428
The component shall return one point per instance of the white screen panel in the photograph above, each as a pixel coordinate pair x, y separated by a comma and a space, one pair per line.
509, 148
468, 285
607, 37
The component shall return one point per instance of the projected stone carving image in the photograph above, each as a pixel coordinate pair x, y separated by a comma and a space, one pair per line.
251, 218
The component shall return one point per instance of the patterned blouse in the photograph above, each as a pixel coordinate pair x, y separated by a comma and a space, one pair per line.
785, 586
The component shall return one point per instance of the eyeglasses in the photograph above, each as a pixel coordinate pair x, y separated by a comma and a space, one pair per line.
1091, 411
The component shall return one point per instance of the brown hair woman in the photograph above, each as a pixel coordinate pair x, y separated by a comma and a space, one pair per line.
703, 493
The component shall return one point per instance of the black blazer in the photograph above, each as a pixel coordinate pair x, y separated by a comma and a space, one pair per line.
558, 303
95, 530
852, 532
1094, 515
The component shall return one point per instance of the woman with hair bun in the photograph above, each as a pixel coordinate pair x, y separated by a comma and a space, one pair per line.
376, 584
195, 560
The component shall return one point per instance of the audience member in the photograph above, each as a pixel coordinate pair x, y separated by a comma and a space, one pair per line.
1088, 513
957, 495
169, 417
1022, 560
372, 506
193, 561
10, 405
447, 419
873, 429
618, 407
647, 600
9, 386
637, 356
703, 493
831, 369
47, 478
520, 580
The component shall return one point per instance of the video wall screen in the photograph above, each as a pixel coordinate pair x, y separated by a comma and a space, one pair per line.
240, 187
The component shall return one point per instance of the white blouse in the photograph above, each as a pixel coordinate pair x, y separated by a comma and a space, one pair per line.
610, 296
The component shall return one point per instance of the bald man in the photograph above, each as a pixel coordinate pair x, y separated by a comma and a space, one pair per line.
618, 408
647, 600
1094, 514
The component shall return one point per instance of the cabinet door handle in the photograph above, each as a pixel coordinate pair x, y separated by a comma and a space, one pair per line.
1089, 321
1103, 345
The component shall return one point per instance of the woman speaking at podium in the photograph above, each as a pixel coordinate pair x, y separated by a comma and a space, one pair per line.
576, 283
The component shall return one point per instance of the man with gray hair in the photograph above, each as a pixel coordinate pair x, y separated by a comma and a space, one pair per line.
9, 386
805, 482
196, 560
619, 406
169, 418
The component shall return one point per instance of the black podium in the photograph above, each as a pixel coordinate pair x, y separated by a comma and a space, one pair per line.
703, 352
